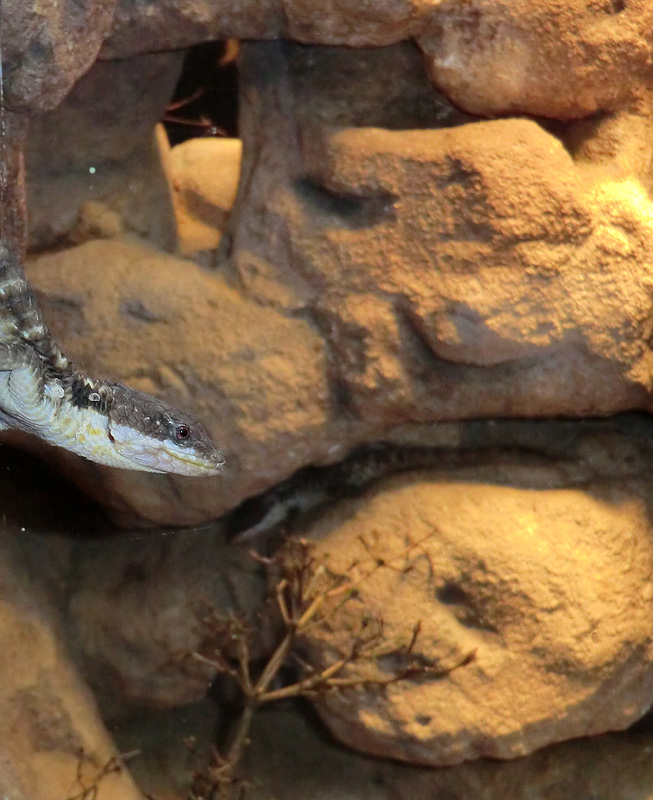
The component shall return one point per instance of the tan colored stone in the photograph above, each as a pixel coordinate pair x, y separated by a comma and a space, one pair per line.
465, 271
384, 278
551, 589
204, 177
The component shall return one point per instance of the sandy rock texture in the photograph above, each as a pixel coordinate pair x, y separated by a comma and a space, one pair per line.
374, 277
537, 559
203, 175
439, 261
40, 63
398, 262
554, 58
550, 588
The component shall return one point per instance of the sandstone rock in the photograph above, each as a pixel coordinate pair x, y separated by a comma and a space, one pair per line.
98, 147
472, 270
204, 177
47, 47
550, 588
556, 59
385, 278
139, 599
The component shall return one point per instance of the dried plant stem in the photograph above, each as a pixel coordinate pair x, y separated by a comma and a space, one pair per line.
305, 598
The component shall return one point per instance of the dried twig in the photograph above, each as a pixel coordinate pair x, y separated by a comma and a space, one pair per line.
305, 596
88, 789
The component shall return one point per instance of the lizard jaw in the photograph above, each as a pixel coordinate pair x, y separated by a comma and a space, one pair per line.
153, 455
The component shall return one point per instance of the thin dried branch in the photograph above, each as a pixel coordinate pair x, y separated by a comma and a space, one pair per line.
308, 596
89, 788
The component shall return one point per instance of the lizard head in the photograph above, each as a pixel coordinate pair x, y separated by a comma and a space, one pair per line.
155, 437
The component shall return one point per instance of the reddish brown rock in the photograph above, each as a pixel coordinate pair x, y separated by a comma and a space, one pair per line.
554, 58
46, 47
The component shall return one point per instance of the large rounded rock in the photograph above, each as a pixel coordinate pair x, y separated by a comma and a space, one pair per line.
551, 589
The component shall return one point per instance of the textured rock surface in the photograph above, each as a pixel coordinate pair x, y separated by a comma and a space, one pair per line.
459, 269
539, 559
436, 286
204, 175
609, 767
555, 58
544, 57
40, 63
98, 147
552, 589
172, 24
291, 758
472, 270
393, 262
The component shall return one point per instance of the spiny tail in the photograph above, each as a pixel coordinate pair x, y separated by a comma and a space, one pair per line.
20, 317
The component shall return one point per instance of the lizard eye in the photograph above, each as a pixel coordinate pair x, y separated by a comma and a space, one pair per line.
182, 433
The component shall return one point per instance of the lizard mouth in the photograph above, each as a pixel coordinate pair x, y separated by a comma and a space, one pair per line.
153, 455
158, 459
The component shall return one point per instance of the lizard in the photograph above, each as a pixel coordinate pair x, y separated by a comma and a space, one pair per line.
42, 393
